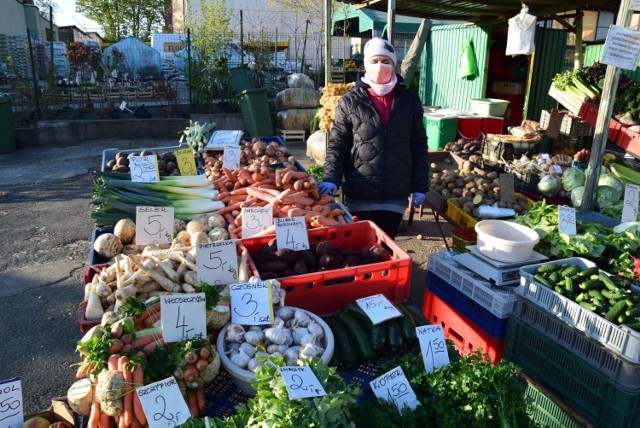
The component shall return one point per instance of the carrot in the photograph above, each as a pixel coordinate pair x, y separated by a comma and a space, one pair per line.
341, 220
299, 184
244, 176
120, 421
141, 342
278, 178
325, 221
268, 231
288, 176
112, 362
148, 311
201, 398
229, 174
297, 200
192, 403
151, 319
260, 193
242, 191
325, 199
104, 421
85, 368
138, 380
229, 218
229, 208
94, 415
238, 220
127, 412
296, 212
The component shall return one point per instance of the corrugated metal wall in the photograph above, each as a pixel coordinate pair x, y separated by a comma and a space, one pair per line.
548, 60
593, 53
439, 85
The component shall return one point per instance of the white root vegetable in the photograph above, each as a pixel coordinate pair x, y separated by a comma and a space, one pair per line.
164, 282
243, 266
148, 287
94, 310
109, 317
167, 267
80, 395
123, 292
198, 238
188, 288
102, 289
183, 238
188, 262
125, 229
107, 245
218, 234
195, 226
191, 278
139, 278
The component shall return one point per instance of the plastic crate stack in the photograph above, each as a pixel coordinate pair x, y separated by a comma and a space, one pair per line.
473, 312
589, 363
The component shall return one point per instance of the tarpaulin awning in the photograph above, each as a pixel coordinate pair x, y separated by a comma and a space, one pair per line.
354, 22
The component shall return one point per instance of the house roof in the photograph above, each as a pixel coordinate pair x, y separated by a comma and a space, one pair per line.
482, 12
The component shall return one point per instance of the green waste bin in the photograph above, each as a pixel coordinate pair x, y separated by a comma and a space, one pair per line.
255, 112
240, 79
7, 135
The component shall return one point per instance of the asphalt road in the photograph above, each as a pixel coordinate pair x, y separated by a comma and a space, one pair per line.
46, 228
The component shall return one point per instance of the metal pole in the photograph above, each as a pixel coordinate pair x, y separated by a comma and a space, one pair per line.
327, 42
34, 77
275, 51
241, 41
51, 30
304, 45
391, 18
190, 67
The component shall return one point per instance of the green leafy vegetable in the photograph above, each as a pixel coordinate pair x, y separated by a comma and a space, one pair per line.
131, 307
211, 294
316, 171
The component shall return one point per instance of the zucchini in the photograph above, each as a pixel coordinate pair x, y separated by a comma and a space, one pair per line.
357, 312
394, 335
615, 311
358, 334
407, 325
547, 268
418, 316
378, 332
348, 355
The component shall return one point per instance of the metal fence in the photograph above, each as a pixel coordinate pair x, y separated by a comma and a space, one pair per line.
60, 81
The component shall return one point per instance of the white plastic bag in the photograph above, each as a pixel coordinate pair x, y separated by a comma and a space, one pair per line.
520, 38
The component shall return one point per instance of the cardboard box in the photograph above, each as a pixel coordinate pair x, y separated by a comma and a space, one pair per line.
59, 411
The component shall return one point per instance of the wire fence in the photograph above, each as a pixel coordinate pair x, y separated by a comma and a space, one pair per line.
84, 80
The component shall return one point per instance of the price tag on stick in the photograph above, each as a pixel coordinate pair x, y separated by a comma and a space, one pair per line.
301, 382
11, 408
433, 346
183, 316
251, 303
630, 206
186, 162
393, 386
566, 220
256, 220
154, 225
144, 169
378, 308
231, 156
217, 263
163, 404
291, 233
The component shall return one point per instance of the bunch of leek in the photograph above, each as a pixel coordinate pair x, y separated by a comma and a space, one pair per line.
115, 198
575, 85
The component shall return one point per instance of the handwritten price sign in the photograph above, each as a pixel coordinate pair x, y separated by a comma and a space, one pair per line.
566, 220
378, 308
291, 233
11, 412
630, 207
394, 387
186, 162
154, 225
163, 404
183, 317
144, 169
251, 303
433, 346
301, 382
231, 156
217, 263
256, 220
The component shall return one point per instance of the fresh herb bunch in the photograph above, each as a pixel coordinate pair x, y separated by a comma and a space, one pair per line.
211, 294
96, 350
316, 171
131, 307
471, 390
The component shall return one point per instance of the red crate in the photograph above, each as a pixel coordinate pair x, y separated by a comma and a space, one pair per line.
629, 140
492, 125
465, 335
328, 291
589, 113
470, 127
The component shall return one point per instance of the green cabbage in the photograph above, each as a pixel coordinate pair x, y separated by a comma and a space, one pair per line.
572, 178
607, 196
576, 196
610, 180
549, 185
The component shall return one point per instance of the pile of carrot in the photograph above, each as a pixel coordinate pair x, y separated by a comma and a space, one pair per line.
289, 192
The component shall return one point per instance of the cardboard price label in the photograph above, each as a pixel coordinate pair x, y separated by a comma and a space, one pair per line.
251, 303
231, 156
301, 382
183, 317
567, 220
256, 220
163, 404
217, 263
144, 169
154, 225
393, 386
11, 407
186, 162
291, 233
432, 346
378, 308
222, 138
630, 206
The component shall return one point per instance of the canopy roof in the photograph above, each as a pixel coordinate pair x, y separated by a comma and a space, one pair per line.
360, 22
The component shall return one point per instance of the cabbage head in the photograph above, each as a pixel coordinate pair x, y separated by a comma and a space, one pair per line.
607, 196
549, 185
610, 180
576, 196
572, 178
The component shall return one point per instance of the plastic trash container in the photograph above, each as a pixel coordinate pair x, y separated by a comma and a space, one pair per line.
255, 112
7, 133
240, 79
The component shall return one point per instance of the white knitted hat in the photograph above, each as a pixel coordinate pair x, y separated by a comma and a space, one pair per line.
378, 46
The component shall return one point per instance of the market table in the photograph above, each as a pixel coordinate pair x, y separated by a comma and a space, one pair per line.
437, 213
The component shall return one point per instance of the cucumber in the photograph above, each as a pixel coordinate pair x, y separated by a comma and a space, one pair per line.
580, 297
588, 306
568, 284
554, 278
591, 284
394, 335
594, 270
547, 268
615, 311
570, 271
595, 294
622, 319
542, 280
378, 333
358, 334
633, 312
606, 280
348, 355
407, 325
635, 324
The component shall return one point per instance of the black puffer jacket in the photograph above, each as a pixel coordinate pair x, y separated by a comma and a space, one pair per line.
378, 162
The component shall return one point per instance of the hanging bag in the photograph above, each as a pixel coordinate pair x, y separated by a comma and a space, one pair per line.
520, 37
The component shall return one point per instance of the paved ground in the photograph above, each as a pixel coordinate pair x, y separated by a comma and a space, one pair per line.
46, 228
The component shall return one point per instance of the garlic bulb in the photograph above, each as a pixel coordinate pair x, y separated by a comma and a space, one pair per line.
273, 348
310, 350
240, 359
234, 333
298, 334
291, 355
316, 329
253, 364
302, 318
232, 348
307, 338
286, 313
253, 337
248, 349
276, 334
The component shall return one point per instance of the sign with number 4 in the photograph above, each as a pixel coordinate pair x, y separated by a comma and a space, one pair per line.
291, 233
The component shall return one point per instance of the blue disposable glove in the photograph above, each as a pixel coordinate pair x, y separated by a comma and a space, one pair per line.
418, 198
327, 187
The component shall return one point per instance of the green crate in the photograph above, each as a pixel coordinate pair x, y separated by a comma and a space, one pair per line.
546, 412
576, 383
440, 130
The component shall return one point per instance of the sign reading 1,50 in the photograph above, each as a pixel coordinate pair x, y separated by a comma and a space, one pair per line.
397, 391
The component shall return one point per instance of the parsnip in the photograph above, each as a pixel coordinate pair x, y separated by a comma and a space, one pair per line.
191, 278
243, 267
167, 267
149, 286
123, 292
102, 289
139, 278
164, 282
189, 263
188, 288
94, 309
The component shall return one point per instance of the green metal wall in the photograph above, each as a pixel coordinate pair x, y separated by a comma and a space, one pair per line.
439, 85
548, 60
593, 53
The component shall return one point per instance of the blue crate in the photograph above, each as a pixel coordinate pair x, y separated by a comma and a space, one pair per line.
483, 318
95, 258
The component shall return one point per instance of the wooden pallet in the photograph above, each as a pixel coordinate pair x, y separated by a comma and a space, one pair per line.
291, 134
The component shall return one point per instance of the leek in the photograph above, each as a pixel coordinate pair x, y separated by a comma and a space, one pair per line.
161, 187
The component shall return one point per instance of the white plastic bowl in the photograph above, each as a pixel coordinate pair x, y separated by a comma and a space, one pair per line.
505, 241
241, 376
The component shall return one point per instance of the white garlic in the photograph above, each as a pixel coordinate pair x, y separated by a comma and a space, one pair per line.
307, 338
271, 349
253, 337
310, 350
240, 359
302, 318
248, 349
276, 334
234, 333
253, 364
291, 355
316, 329
285, 313
298, 334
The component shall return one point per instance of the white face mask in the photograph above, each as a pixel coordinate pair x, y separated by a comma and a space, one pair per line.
379, 73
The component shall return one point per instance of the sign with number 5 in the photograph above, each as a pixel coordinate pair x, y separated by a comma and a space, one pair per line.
154, 225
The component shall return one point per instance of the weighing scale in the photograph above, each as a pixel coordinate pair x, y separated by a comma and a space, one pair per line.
496, 272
